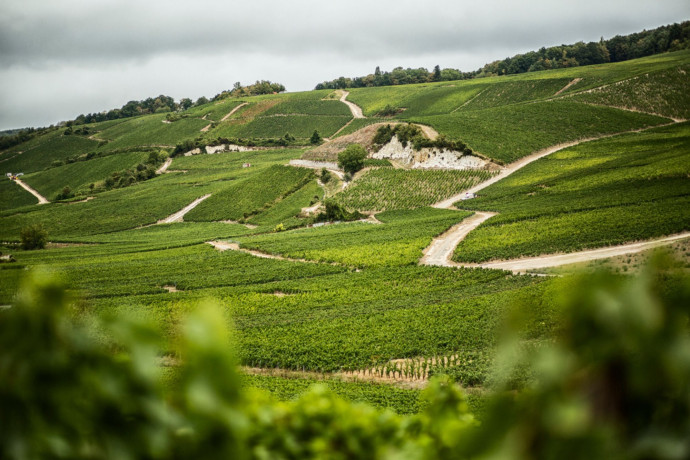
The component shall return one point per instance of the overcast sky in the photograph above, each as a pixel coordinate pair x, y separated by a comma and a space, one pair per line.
62, 58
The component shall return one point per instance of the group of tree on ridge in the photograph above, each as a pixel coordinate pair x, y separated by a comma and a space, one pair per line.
163, 104
672, 37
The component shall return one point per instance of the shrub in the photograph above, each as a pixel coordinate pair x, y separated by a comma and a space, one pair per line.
334, 211
352, 158
65, 194
33, 237
325, 176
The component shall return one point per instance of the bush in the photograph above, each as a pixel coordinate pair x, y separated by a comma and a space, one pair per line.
614, 385
352, 158
33, 237
334, 211
325, 176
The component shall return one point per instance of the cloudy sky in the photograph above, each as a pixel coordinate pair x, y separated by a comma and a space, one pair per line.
62, 58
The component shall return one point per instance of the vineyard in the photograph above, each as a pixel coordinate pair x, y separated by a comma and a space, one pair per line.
80, 174
352, 308
382, 189
509, 133
399, 241
663, 92
627, 188
150, 130
253, 195
40, 152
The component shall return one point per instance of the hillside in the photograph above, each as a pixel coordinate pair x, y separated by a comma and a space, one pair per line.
563, 161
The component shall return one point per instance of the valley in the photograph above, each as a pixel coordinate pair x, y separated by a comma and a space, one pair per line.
584, 163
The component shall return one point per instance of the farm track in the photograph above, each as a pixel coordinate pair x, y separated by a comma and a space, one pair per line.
354, 108
164, 167
179, 215
554, 260
41, 198
568, 86
226, 246
441, 249
233, 111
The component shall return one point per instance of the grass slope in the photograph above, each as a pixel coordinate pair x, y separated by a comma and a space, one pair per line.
626, 188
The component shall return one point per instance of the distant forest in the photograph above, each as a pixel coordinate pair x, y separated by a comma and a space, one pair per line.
619, 48
163, 104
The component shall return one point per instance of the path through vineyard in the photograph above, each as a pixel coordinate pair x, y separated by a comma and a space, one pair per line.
441, 249
41, 198
179, 215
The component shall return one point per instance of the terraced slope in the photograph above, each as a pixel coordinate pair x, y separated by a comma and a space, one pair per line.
362, 304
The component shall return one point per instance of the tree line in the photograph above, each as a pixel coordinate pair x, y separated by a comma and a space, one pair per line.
672, 37
397, 76
163, 104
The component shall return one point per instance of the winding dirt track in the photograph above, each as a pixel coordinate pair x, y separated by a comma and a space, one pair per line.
233, 111
179, 215
354, 108
226, 246
441, 249
41, 198
555, 260
164, 167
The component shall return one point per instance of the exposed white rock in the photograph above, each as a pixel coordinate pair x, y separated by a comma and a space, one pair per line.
211, 149
428, 158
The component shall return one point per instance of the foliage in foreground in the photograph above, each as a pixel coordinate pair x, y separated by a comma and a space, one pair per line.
614, 386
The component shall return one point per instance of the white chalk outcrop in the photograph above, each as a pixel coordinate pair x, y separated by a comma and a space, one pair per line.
428, 158
211, 149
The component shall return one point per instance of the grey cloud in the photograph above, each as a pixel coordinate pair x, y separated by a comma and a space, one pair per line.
119, 50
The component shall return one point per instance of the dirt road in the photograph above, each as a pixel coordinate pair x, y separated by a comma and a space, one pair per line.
233, 111
179, 215
354, 108
319, 165
164, 167
441, 249
226, 246
555, 260
41, 198
508, 170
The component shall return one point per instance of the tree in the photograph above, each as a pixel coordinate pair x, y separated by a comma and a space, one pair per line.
437, 73
186, 103
352, 158
315, 138
33, 237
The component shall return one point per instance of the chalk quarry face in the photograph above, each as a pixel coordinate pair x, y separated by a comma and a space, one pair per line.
428, 158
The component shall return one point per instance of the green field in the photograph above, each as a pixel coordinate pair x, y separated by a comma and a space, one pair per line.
381, 189
79, 175
627, 188
13, 196
250, 196
42, 151
356, 298
399, 241
509, 133
150, 130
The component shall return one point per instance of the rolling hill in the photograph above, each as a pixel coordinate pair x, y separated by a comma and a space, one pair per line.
578, 158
